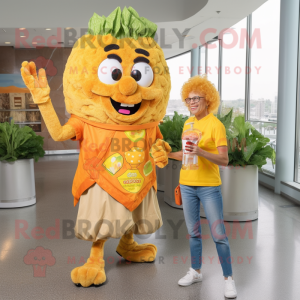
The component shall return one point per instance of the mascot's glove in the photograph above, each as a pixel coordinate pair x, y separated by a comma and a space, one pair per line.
37, 85
159, 152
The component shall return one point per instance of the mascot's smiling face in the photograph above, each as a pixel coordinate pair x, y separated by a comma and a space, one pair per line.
117, 81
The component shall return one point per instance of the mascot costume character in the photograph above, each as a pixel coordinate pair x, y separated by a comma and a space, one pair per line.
116, 86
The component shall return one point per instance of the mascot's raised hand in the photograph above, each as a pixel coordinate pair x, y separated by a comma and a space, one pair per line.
116, 85
40, 91
37, 85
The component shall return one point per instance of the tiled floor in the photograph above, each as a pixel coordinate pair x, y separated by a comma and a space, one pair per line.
272, 273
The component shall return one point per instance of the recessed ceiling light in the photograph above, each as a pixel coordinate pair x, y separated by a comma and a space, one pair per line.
7, 42
22, 28
48, 28
189, 37
68, 28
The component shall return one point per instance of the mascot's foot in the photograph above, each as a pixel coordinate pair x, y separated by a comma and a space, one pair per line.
93, 271
132, 251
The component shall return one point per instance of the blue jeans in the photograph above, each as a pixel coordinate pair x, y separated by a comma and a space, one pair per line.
211, 199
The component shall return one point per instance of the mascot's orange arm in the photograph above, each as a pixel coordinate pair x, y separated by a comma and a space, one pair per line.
40, 91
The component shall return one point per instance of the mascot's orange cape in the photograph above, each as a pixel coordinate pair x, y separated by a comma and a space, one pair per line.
117, 158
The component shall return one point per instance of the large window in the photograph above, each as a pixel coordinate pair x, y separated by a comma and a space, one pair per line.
297, 148
264, 72
180, 71
212, 68
234, 69
202, 53
297, 158
264, 62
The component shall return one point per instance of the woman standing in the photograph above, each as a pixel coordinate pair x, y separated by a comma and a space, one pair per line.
204, 184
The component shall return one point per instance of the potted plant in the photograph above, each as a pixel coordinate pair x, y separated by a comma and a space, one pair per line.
248, 151
171, 129
18, 148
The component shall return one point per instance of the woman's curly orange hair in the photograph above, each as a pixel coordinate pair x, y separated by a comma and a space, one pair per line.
198, 84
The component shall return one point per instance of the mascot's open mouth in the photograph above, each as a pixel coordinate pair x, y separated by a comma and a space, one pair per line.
124, 108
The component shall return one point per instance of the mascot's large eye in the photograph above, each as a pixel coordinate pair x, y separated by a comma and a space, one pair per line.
142, 73
110, 71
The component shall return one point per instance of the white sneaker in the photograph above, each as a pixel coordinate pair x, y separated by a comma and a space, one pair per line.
191, 277
230, 290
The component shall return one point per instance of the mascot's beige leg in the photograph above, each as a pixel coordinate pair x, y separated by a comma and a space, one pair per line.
91, 272
129, 249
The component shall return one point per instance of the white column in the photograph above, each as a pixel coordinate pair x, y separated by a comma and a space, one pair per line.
287, 87
194, 61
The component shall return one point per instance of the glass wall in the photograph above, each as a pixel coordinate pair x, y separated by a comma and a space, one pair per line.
212, 68
180, 71
297, 148
234, 69
264, 62
264, 71
202, 53
297, 158
249, 82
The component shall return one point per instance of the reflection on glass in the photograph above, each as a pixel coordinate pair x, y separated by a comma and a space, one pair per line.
234, 70
264, 62
180, 72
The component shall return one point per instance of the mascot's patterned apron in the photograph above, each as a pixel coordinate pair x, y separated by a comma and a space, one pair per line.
117, 158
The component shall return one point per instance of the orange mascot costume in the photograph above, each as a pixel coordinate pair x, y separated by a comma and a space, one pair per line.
116, 86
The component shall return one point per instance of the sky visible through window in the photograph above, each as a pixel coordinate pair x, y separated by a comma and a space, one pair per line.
180, 71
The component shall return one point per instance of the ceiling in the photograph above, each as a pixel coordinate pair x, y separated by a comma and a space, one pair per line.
76, 13
173, 17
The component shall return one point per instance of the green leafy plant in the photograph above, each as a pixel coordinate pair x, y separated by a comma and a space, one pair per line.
246, 145
19, 143
171, 129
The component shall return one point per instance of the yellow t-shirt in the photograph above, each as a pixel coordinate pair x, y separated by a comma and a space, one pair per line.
213, 136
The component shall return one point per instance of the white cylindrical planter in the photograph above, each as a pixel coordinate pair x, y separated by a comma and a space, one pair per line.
17, 185
240, 193
172, 173
160, 177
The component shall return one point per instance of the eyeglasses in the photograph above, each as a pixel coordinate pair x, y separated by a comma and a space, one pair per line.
196, 99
